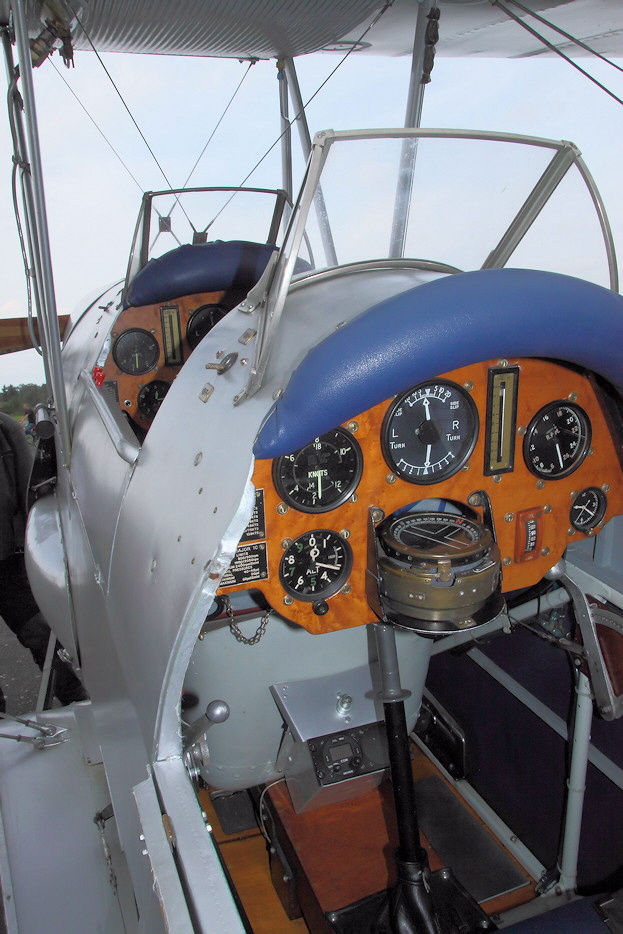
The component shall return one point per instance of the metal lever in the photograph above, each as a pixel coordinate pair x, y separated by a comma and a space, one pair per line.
609, 705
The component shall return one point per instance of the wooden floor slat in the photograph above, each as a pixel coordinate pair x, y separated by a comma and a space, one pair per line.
344, 852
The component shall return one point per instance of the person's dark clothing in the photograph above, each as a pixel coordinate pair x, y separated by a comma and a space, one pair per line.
18, 607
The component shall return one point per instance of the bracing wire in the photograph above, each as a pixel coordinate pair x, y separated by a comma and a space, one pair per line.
567, 35
98, 128
291, 122
554, 48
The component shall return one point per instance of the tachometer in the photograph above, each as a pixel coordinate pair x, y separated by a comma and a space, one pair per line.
321, 475
315, 565
557, 440
430, 431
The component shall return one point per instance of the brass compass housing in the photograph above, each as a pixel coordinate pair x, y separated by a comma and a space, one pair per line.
438, 571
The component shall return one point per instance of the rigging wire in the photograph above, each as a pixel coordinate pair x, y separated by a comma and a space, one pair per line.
554, 48
120, 95
97, 127
291, 122
219, 121
567, 35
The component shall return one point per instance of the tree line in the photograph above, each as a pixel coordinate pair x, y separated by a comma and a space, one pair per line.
14, 398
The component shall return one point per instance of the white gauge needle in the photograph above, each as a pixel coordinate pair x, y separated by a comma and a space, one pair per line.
559, 455
331, 567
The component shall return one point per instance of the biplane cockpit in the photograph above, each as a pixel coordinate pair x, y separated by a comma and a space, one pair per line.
417, 460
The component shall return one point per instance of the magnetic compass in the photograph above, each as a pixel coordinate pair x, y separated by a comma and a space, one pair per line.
438, 571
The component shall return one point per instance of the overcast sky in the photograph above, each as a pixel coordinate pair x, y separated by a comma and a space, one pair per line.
93, 201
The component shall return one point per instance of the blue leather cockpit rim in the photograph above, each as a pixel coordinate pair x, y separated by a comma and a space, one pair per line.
440, 326
202, 267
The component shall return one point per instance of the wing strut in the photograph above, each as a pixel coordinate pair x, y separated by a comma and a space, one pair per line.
37, 226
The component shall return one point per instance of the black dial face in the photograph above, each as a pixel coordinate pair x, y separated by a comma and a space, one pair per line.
435, 536
136, 352
588, 509
151, 397
321, 475
315, 565
557, 440
201, 321
430, 431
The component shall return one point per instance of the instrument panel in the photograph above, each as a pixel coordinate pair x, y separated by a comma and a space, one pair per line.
527, 442
149, 346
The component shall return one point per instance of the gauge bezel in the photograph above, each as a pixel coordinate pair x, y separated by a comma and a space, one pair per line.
583, 446
597, 517
335, 585
144, 390
464, 452
480, 537
148, 338
297, 500
196, 318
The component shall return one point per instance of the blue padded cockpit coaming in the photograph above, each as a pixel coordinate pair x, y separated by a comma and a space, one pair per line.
201, 267
440, 326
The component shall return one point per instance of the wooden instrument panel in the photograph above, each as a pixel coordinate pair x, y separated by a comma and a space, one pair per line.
163, 330
531, 513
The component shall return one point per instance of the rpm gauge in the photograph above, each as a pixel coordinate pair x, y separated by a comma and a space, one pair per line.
430, 431
136, 352
557, 440
321, 475
315, 565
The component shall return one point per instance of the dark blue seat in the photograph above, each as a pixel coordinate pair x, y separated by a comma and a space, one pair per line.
440, 326
202, 267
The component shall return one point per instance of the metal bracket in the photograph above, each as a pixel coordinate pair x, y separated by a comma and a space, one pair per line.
609, 705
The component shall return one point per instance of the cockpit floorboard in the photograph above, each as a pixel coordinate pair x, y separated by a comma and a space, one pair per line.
363, 827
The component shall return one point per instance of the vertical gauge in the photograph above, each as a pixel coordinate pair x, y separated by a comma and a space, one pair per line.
171, 335
501, 420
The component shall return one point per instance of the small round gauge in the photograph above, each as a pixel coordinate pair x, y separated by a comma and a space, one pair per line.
557, 440
201, 321
430, 431
321, 475
315, 565
435, 536
136, 352
151, 397
588, 509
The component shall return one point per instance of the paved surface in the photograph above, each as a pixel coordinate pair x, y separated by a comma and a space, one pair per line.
19, 676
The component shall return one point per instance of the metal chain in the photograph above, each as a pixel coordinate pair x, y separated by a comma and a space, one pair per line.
235, 630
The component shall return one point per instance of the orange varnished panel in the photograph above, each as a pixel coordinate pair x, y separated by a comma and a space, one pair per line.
149, 318
540, 382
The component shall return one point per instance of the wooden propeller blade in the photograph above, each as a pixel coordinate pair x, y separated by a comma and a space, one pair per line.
14, 333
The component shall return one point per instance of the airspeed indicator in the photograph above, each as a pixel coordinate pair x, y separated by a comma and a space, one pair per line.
430, 431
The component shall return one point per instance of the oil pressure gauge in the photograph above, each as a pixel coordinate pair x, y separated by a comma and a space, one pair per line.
588, 509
